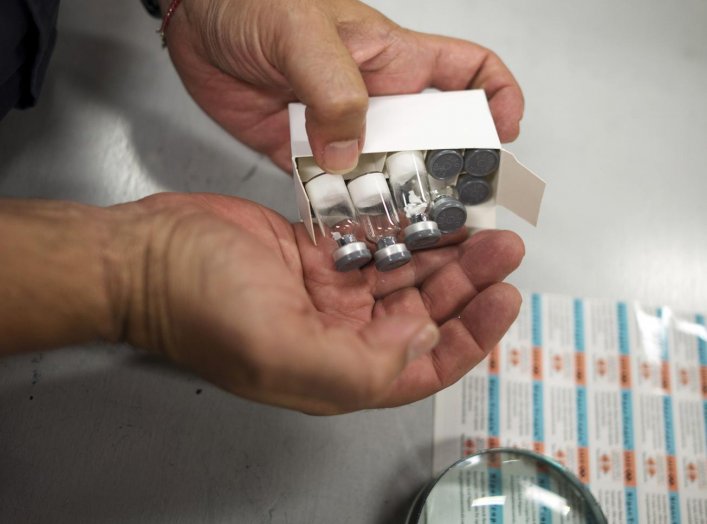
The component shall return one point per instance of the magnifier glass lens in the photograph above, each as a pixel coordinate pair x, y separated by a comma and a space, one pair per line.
506, 485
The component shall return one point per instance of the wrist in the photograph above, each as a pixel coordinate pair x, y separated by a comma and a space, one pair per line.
123, 253
134, 260
61, 266
140, 259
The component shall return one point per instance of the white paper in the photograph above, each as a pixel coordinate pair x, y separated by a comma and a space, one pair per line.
615, 391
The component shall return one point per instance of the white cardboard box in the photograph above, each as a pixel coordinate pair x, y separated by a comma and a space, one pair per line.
434, 120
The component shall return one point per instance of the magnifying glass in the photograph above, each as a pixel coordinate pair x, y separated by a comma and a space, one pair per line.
506, 485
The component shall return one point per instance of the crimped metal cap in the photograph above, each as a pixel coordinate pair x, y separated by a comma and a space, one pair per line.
351, 256
481, 162
444, 164
449, 213
421, 235
473, 190
392, 257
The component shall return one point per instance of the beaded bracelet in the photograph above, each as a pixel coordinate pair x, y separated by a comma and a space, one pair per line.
165, 21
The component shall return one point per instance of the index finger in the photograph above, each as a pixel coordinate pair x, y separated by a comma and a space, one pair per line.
460, 64
465, 342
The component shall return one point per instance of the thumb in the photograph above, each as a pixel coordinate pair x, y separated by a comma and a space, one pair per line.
327, 80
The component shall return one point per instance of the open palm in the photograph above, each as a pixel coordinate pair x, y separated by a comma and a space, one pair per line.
248, 301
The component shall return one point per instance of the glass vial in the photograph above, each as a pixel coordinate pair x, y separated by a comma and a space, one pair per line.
481, 162
446, 209
444, 164
379, 218
408, 180
336, 215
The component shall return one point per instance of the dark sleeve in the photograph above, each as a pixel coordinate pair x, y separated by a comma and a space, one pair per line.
27, 36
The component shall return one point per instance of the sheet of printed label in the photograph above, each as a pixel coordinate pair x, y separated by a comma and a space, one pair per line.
615, 391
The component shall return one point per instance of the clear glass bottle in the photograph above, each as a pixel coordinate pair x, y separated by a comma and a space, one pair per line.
336, 216
408, 180
379, 218
444, 164
481, 162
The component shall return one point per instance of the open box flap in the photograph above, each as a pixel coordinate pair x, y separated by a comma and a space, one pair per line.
519, 189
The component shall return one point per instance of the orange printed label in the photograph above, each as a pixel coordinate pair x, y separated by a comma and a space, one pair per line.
494, 360
579, 369
693, 472
704, 382
468, 446
537, 363
539, 447
665, 377
494, 442
625, 364
583, 465
672, 473
629, 469
605, 464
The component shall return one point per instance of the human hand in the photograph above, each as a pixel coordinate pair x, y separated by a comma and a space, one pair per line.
233, 291
243, 61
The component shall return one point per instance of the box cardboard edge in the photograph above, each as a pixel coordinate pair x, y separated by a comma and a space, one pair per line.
519, 189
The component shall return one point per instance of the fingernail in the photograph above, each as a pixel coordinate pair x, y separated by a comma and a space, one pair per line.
423, 342
341, 157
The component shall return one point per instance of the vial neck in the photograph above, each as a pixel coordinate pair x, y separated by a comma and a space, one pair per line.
346, 239
385, 242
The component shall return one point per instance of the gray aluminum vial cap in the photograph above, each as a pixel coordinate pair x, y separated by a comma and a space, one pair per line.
481, 162
473, 190
351, 256
444, 164
421, 235
392, 257
449, 213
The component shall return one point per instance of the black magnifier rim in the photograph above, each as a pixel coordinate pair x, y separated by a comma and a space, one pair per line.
595, 514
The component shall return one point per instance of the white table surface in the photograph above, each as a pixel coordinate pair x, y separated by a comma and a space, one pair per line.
615, 122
